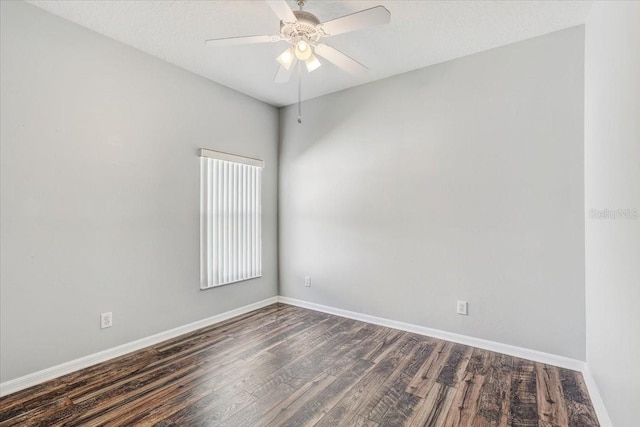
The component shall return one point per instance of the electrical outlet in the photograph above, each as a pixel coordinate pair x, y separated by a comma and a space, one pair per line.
106, 320
463, 308
307, 281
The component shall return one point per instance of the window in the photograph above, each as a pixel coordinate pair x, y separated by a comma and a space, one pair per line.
230, 227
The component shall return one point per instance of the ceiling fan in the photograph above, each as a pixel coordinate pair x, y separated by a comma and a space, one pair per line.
303, 31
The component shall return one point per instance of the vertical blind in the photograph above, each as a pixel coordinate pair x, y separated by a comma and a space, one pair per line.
231, 208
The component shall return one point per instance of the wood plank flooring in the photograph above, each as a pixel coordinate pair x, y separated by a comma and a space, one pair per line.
287, 366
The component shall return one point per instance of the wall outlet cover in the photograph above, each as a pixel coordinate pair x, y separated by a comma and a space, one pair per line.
463, 308
106, 320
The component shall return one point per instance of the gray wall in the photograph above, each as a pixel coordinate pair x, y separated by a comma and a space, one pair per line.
612, 181
100, 191
463, 180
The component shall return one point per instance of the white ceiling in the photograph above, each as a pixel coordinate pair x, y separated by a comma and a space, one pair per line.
421, 33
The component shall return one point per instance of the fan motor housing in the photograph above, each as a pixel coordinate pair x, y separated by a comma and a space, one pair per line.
306, 28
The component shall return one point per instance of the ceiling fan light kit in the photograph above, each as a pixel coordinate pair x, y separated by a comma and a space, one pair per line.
302, 30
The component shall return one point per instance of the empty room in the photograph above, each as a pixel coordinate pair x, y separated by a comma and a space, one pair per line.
319, 213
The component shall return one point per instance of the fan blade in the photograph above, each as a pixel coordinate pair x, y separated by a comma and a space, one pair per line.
340, 59
378, 15
283, 75
233, 41
282, 10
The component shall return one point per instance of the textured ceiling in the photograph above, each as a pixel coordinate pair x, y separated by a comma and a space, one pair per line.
421, 33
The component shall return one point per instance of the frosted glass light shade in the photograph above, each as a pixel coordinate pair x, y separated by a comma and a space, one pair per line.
312, 63
286, 58
303, 50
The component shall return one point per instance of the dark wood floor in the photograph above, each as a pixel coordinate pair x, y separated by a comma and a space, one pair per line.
287, 366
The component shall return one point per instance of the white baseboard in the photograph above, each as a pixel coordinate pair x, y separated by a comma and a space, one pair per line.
596, 399
524, 353
36, 378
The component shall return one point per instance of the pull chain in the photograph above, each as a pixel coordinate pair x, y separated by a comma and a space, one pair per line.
301, 5
299, 93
